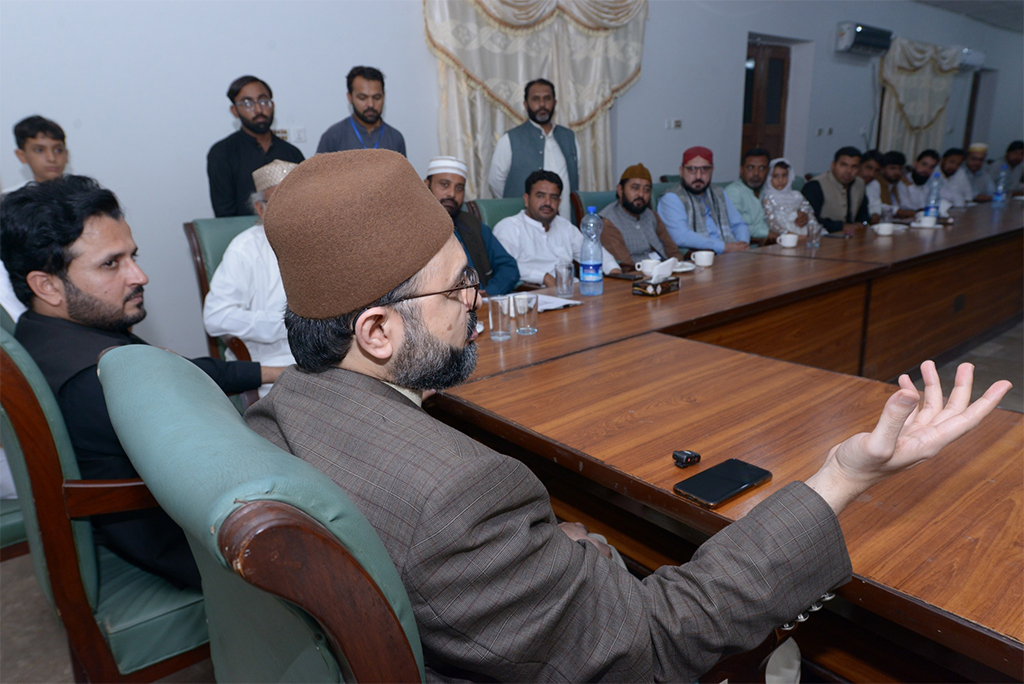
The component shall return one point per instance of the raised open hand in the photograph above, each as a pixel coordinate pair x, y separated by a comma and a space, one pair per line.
911, 429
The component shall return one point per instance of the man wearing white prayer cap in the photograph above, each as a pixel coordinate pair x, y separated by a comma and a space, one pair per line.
246, 298
974, 169
499, 274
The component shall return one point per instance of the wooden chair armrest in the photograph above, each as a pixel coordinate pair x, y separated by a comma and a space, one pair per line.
237, 347
281, 550
83, 498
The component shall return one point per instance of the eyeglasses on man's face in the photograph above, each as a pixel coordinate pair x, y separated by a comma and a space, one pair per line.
699, 170
470, 280
247, 103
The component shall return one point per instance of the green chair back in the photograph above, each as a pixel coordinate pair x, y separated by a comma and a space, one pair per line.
491, 211
582, 200
798, 183
7, 321
207, 240
659, 189
207, 468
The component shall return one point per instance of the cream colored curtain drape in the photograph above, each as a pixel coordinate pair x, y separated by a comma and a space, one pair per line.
490, 49
918, 78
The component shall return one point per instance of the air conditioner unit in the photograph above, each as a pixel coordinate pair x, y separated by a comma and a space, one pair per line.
971, 60
866, 40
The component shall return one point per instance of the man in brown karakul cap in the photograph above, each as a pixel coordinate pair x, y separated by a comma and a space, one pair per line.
381, 306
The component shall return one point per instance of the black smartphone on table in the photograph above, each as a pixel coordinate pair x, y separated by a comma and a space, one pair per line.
718, 484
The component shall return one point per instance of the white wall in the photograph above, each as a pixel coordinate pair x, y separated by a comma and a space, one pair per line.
693, 69
139, 88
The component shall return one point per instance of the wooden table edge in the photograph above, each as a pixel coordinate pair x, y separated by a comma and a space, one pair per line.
967, 638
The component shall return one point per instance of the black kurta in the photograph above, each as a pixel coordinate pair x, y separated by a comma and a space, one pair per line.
66, 353
229, 166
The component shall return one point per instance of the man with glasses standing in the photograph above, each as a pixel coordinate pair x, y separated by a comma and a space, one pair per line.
718, 225
231, 161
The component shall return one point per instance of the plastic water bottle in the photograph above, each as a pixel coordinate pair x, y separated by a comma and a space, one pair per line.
999, 198
934, 191
591, 256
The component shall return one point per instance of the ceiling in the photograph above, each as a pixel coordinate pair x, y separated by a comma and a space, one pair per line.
1005, 14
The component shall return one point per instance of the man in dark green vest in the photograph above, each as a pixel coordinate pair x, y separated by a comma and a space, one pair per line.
537, 144
499, 273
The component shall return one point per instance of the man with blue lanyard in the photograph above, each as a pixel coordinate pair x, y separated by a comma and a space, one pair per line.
365, 129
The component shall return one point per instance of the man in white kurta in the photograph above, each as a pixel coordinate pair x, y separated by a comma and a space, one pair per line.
538, 238
956, 187
246, 298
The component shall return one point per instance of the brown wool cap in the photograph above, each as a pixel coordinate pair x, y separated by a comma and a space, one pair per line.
349, 227
636, 171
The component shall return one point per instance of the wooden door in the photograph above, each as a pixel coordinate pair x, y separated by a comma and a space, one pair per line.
764, 100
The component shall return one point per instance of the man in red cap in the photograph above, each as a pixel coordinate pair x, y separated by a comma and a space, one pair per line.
700, 215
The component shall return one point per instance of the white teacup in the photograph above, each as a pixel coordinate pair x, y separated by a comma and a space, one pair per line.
927, 221
647, 266
884, 229
788, 240
703, 257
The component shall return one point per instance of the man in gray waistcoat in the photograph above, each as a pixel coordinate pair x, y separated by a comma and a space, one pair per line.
537, 144
838, 196
632, 231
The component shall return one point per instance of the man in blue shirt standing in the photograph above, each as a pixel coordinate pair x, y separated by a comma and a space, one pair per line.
499, 273
718, 225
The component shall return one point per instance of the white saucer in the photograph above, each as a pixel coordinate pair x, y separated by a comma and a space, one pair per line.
684, 267
921, 225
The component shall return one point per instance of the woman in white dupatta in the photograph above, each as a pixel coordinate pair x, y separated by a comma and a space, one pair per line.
782, 204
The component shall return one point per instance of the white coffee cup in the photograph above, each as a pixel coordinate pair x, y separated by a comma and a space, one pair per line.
788, 239
647, 266
927, 221
703, 257
884, 229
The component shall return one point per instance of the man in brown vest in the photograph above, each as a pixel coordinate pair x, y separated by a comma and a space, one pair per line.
837, 196
499, 273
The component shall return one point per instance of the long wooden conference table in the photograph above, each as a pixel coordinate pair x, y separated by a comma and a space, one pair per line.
604, 393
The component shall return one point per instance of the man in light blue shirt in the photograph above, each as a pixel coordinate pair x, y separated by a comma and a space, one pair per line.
719, 227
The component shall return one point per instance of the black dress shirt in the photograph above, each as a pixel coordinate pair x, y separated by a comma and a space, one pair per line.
230, 164
66, 353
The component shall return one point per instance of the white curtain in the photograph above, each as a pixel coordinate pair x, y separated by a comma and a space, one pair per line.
918, 78
490, 49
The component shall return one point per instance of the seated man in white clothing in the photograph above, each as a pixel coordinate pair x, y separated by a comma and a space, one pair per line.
246, 298
916, 195
870, 172
974, 169
538, 238
956, 188
718, 225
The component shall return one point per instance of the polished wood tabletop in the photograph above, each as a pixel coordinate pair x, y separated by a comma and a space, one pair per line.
937, 548
971, 227
737, 285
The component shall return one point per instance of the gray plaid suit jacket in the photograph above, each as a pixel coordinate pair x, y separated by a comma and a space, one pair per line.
499, 592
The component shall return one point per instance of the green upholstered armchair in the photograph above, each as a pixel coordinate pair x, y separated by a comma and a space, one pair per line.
490, 211
262, 524
122, 622
13, 541
582, 200
207, 240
